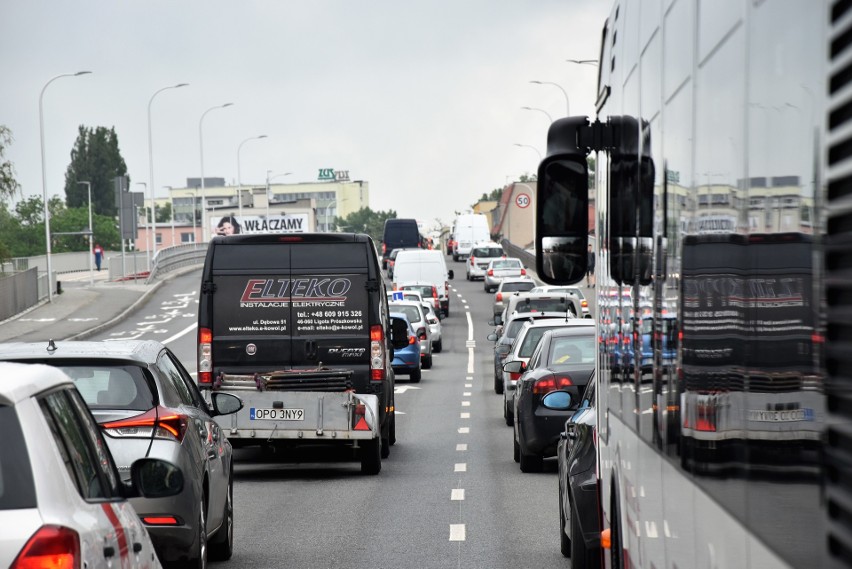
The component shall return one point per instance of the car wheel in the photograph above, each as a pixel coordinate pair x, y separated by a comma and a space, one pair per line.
371, 456
498, 385
564, 542
510, 417
415, 376
581, 556
198, 560
385, 447
456, 258
427, 362
516, 448
222, 544
439, 345
531, 462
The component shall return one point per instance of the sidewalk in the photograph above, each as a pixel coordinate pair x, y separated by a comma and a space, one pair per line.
80, 311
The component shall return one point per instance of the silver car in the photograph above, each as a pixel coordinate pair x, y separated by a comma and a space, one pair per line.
147, 405
62, 501
503, 268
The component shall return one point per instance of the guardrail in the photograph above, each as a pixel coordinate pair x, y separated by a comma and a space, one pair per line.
177, 257
527, 257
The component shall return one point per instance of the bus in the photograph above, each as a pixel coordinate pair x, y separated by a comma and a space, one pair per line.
723, 228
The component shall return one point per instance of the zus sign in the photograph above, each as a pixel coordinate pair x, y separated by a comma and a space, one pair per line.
332, 175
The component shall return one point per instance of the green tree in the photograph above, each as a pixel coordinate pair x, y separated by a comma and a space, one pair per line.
365, 220
9, 186
97, 159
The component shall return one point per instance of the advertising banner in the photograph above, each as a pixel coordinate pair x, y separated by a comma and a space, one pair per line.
247, 224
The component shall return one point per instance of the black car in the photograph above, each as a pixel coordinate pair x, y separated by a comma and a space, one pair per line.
563, 361
579, 507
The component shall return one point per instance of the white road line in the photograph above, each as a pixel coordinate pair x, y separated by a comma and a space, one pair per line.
464, 416
457, 532
468, 385
461, 447
466, 394
464, 430
469, 378
469, 330
460, 467
464, 301
181, 333
457, 494
465, 403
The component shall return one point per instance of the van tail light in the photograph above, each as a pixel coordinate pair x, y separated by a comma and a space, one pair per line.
498, 297
384, 248
377, 353
523, 272
584, 303
490, 272
50, 546
205, 357
551, 383
434, 292
170, 425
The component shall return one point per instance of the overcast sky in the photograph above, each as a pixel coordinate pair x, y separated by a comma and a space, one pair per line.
420, 98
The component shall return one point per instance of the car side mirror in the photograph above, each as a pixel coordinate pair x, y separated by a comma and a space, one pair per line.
558, 401
450, 274
515, 366
492, 337
154, 478
225, 403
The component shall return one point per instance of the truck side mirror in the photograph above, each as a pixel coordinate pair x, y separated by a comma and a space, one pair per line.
562, 206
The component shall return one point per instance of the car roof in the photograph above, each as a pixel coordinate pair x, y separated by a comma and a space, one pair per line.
22, 381
143, 351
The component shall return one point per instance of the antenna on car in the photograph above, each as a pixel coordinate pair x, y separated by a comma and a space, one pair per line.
51, 346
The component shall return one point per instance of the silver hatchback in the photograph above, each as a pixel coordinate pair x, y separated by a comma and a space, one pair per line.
147, 405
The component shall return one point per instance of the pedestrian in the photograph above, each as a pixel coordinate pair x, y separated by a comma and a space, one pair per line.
99, 255
590, 268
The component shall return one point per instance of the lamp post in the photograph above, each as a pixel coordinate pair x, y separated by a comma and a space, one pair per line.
153, 252
239, 174
558, 86
327, 207
268, 178
147, 229
549, 118
537, 151
44, 178
91, 268
204, 236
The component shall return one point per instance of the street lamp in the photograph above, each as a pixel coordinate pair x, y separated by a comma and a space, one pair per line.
549, 118
557, 85
593, 62
147, 229
172, 207
333, 202
153, 252
44, 177
204, 236
239, 175
91, 269
537, 151
268, 178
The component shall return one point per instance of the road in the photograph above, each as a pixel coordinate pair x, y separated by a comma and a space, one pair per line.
450, 494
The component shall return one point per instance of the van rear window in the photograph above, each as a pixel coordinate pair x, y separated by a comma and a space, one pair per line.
298, 256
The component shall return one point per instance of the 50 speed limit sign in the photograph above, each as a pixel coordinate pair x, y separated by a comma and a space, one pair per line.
523, 200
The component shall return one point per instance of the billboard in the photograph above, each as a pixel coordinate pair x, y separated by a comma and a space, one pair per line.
248, 224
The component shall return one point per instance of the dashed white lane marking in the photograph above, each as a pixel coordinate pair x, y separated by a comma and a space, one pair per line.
464, 430
465, 403
470, 344
464, 301
464, 416
469, 378
468, 385
457, 494
466, 394
461, 447
457, 532
460, 467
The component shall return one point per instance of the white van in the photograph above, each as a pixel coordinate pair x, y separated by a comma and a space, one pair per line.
469, 229
424, 266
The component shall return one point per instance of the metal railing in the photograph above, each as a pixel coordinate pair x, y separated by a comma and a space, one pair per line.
177, 257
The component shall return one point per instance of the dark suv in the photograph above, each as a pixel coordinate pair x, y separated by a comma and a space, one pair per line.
400, 234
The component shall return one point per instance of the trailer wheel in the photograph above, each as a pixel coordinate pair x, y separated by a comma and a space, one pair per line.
371, 456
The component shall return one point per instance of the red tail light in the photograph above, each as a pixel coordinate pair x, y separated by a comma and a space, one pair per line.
160, 520
514, 376
471, 260
170, 425
523, 272
377, 353
552, 383
499, 297
205, 356
412, 340
434, 292
384, 248
584, 303
51, 546
490, 272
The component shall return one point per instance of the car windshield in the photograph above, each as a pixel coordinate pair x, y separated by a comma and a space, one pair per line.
424, 290
411, 312
517, 287
556, 304
531, 339
111, 386
17, 489
572, 350
487, 252
506, 264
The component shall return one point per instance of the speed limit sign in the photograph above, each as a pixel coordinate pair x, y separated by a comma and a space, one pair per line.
523, 200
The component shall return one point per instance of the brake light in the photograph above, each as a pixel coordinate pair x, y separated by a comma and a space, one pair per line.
499, 297
490, 272
434, 292
514, 376
471, 261
552, 383
51, 546
384, 248
170, 425
160, 520
523, 272
205, 356
377, 353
